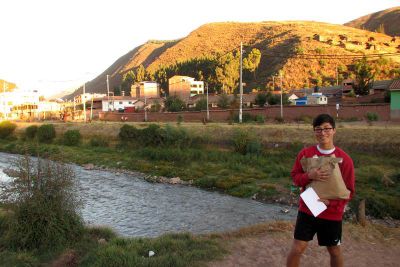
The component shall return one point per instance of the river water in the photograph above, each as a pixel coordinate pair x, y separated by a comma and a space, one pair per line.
134, 207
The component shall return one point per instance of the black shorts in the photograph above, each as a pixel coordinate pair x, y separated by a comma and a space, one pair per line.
329, 233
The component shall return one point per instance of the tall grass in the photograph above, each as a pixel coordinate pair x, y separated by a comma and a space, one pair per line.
170, 250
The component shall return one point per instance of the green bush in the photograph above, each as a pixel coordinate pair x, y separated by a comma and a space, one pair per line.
151, 136
98, 141
30, 131
43, 200
372, 116
72, 138
128, 133
245, 143
6, 129
260, 118
46, 133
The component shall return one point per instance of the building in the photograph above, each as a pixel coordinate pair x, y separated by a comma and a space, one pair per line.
117, 103
395, 100
317, 99
146, 89
26, 101
185, 87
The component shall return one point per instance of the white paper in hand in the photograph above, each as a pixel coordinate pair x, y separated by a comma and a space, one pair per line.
311, 199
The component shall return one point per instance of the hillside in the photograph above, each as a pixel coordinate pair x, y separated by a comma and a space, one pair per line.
308, 53
389, 18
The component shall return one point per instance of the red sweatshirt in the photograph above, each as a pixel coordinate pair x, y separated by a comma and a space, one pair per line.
335, 208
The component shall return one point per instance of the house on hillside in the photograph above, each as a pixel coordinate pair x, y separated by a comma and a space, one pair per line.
317, 99
117, 103
185, 87
145, 89
395, 100
292, 99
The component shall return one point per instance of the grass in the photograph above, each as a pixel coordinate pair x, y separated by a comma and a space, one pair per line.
212, 164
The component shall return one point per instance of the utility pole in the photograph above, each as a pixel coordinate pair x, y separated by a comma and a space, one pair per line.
91, 110
240, 84
108, 94
208, 110
281, 97
145, 108
4, 100
337, 76
84, 103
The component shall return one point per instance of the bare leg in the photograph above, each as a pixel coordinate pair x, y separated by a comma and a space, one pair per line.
298, 248
336, 255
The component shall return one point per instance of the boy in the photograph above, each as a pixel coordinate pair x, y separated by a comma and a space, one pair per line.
328, 224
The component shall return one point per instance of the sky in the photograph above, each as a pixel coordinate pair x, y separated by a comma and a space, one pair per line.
56, 45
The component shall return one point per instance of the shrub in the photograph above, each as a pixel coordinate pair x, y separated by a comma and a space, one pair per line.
128, 133
174, 104
152, 135
72, 138
44, 206
98, 141
6, 129
245, 143
279, 119
46, 133
30, 132
372, 116
260, 118
179, 119
201, 104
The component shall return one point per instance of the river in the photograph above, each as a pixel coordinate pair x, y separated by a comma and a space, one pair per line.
136, 208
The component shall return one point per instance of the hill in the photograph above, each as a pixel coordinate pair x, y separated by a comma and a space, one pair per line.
307, 53
389, 19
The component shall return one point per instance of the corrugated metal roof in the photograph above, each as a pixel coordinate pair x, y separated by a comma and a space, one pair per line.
395, 85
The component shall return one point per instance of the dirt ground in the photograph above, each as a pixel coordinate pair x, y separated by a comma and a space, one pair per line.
373, 245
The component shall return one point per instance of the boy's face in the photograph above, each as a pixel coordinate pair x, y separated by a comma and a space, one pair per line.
324, 134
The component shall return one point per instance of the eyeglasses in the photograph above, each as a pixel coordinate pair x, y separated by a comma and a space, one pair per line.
320, 130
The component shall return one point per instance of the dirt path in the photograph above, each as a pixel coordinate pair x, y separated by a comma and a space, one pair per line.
371, 246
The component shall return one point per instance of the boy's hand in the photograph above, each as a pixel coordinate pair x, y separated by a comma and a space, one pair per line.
318, 175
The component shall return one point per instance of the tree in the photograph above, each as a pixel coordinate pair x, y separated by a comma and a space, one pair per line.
44, 202
140, 73
364, 77
174, 104
261, 99
227, 71
252, 61
201, 104
117, 91
223, 101
128, 79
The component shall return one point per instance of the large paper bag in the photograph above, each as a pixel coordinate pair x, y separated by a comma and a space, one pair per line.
334, 187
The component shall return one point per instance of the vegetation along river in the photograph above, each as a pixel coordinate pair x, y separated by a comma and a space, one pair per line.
136, 208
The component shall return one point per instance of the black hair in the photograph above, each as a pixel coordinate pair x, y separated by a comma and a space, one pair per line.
322, 118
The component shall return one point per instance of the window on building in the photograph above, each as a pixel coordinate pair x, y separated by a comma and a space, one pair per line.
130, 102
120, 102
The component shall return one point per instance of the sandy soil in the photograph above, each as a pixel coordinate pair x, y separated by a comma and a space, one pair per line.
370, 246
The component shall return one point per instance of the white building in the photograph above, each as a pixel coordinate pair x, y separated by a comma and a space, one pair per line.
185, 87
317, 99
116, 103
18, 99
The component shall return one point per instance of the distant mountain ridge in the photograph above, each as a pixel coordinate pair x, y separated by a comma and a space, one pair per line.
295, 48
388, 18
